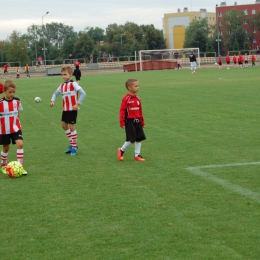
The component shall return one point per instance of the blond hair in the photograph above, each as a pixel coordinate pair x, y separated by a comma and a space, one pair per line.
9, 84
68, 69
130, 82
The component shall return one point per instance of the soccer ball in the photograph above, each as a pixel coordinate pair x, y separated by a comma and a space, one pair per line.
216, 63
37, 100
14, 169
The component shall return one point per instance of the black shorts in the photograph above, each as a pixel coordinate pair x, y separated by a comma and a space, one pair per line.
5, 71
6, 139
246, 61
69, 117
220, 63
77, 78
240, 63
228, 62
134, 131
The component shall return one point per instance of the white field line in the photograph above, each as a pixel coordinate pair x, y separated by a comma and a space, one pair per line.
225, 184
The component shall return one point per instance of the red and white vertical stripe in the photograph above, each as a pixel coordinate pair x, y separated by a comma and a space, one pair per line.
69, 96
9, 121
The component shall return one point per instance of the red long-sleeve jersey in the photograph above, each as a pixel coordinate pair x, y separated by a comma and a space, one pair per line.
131, 107
240, 58
227, 58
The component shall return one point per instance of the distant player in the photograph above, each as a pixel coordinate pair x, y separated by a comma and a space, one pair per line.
18, 72
253, 59
77, 74
5, 69
246, 60
235, 61
179, 62
70, 103
228, 61
240, 61
193, 64
77, 64
220, 62
10, 125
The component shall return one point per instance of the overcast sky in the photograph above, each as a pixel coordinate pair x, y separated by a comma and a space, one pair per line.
20, 14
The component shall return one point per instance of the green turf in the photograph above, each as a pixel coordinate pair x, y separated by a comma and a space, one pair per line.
93, 206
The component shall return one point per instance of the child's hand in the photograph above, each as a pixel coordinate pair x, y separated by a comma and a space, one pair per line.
51, 104
75, 107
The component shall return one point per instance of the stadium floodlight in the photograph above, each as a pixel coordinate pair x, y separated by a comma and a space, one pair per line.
44, 42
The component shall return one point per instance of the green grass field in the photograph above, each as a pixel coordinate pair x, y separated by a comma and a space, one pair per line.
197, 196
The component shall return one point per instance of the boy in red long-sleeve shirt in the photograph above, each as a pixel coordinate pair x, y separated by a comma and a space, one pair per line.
131, 119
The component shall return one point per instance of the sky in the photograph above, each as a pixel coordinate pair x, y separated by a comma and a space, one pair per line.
20, 14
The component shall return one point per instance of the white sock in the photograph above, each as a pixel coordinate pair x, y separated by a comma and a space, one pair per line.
125, 145
137, 148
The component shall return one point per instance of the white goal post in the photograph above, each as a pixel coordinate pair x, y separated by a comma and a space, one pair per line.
162, 59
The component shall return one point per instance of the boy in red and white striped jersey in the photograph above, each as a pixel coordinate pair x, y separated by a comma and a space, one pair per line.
70, 103
10, 125
131, 119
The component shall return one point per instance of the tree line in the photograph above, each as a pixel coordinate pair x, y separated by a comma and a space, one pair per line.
61, 40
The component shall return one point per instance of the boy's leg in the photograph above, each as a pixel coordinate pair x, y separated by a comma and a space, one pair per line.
120, 151
4, 156
74, 137
138, 157
67, 130
20, 153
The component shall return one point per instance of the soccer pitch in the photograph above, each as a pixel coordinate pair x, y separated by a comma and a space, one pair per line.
197, 196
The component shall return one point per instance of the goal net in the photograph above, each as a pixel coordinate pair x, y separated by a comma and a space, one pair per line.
166, 58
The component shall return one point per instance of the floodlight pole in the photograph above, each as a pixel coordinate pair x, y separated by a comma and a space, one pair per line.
44, 42
218, 40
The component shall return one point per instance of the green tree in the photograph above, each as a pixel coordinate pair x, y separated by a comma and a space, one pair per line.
153, 37
246, 47
196, 34
96, 34
84, 46
236, 47
17, 49
233, 28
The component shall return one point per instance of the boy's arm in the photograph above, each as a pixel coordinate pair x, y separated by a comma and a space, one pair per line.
54, 96
141, 115
122, 113
82, 93
82, 96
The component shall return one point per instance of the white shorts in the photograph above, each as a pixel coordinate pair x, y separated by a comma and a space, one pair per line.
193, 64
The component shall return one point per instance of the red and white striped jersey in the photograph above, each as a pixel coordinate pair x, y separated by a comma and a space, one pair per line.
69, 91
131, 107
9, 116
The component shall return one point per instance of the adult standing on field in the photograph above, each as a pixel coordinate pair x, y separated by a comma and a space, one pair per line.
193, 64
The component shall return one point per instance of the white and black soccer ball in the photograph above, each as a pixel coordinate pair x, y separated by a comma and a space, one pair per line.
37, 100
216, 63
